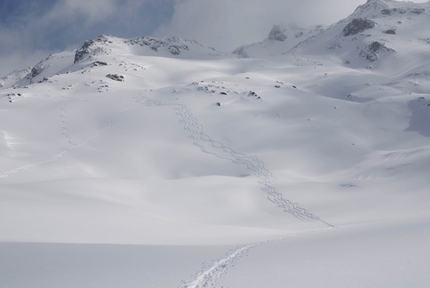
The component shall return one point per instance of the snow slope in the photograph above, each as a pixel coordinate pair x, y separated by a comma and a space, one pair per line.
298, 170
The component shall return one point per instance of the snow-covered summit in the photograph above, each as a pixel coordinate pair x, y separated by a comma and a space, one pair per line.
376, 8
145, 46
377, 30
105, 47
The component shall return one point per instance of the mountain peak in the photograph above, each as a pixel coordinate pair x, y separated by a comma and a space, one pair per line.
148, 46
379, 31
101, 49
372, 8
376, 8
93, 47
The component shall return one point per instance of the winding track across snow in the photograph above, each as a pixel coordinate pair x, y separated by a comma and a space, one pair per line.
208, 276
207, 145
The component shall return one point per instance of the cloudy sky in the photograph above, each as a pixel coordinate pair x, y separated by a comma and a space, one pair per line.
32, 29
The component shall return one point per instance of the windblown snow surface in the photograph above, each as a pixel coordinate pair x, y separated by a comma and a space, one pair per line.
191, 168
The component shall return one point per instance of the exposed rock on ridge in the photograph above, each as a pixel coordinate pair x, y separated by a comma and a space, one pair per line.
172, 46
357, 26
277, 33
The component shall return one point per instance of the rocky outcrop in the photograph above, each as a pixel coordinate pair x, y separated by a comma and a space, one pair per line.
390, 31
92, 48
116, 77
83, 51
393, 11
418, 11
36, 70
174, 45
357, 26
277, 34
374, 50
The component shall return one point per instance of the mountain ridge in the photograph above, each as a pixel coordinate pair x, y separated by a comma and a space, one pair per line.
105, 45
372, 32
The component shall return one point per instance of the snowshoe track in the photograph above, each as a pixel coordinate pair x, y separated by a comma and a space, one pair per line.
209, 275
207, 145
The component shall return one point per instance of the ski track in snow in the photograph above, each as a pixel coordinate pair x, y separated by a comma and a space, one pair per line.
209, 275
207, 145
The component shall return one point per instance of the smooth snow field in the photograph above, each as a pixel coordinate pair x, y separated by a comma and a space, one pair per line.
207, 170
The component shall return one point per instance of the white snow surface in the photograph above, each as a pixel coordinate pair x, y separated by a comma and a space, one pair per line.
200, 169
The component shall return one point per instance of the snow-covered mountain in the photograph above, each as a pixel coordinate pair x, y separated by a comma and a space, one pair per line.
130, 162
383, 33
377, 30
147, 46
104, 46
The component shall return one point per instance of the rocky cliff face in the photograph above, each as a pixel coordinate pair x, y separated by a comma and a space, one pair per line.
357, 25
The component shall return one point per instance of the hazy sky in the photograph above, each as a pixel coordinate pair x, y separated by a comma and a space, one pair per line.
226, 24
31, 29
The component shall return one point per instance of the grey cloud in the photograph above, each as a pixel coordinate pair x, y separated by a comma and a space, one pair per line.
56, 25
227, 24
91, 11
